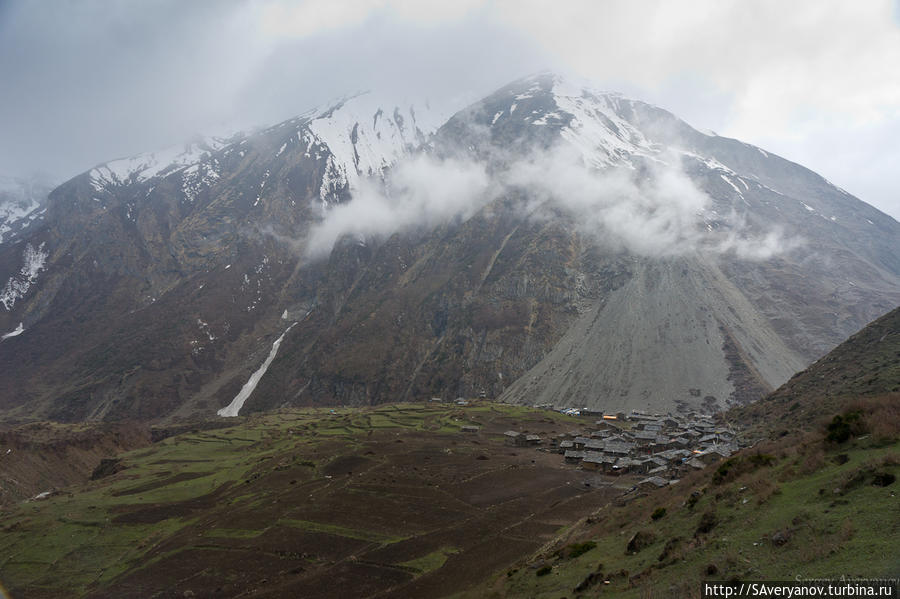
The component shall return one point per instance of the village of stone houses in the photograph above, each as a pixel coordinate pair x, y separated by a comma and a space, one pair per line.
661, 448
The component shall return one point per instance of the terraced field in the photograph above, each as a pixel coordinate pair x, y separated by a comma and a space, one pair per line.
388, 502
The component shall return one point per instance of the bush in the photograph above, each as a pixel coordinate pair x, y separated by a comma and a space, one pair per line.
842, 428
669, 550
577, 549
732, 468
543, 571
708, 521
692, 500
883, 479
658, 513
640, 540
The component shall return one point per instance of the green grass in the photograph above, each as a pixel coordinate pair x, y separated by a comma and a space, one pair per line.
72, 544
232, 533
851, 533
430, 562
341, 531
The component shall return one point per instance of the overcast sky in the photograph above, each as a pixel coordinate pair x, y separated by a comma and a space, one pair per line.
85, 81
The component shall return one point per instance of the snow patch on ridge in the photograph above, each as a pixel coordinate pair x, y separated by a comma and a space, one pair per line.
142, 167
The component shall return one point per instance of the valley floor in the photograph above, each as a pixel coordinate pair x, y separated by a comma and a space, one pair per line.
394, 501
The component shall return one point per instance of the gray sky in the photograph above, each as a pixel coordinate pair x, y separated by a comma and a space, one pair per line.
85, 81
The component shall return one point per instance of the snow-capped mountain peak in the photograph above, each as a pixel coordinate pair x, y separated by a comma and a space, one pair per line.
589, 119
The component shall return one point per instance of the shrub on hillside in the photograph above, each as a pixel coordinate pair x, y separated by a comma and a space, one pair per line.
843, 427
734, 467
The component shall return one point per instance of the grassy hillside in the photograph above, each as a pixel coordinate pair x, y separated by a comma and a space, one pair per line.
393, 501
816, 498
776, 512
865, 365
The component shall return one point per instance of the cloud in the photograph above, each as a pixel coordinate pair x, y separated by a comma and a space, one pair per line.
656, 210
89, 81
769, 245
420, 192
653, 211
647, 213
281, 19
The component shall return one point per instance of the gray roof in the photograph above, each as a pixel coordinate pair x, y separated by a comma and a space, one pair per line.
672, 454
656, 481
612, 447
598, 458
718, 449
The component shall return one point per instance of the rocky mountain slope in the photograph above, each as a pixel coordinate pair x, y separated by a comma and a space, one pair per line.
864, 366
547, 244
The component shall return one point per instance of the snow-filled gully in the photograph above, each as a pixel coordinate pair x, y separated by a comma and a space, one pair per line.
237, 403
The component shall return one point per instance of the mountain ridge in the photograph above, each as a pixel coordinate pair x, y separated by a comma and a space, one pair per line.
181, 280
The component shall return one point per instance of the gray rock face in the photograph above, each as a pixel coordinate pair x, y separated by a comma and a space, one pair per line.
677, 334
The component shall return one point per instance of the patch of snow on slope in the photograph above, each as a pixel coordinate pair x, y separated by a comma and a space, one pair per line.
261, 186
733, 186
548, 118
14, 333
197, 177
18, 285
14, 212
237, 403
